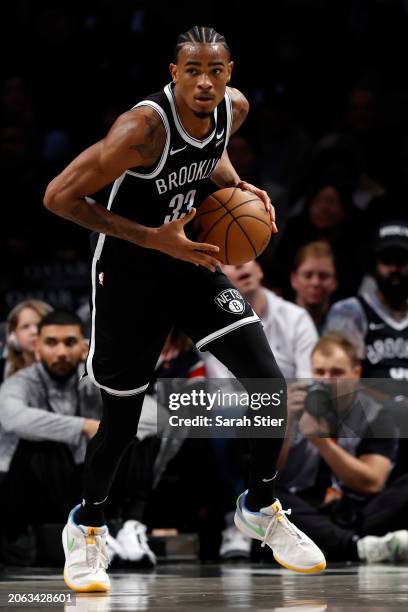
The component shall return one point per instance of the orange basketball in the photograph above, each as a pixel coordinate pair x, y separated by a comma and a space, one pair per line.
236, 221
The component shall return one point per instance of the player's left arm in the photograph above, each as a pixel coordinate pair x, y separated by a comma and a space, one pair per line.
224, 174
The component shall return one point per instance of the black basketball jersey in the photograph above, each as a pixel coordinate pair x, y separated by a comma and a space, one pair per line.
169, 189
386, 343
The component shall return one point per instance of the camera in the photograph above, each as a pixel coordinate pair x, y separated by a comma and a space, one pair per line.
319, 404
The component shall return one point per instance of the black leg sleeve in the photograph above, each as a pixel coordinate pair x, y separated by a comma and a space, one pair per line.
247, 354
116, 431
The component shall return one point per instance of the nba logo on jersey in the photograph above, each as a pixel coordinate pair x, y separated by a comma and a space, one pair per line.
231, 300
101, 277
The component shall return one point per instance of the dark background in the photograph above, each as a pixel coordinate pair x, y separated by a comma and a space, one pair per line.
70, 68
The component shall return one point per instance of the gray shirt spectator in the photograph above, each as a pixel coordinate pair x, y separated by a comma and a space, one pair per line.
34, 406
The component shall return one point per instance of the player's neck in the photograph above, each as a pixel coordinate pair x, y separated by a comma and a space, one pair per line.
195, 126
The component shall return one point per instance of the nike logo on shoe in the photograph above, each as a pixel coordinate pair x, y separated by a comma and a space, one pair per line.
100, 502
220, 134
255, 528
174, 151
70, 543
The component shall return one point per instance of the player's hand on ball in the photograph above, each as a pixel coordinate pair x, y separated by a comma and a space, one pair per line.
265, 199
170, 238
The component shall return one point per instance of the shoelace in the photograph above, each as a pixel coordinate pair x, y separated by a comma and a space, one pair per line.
273, 523
96, 554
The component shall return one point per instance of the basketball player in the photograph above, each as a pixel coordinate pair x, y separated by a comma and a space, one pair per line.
158, 155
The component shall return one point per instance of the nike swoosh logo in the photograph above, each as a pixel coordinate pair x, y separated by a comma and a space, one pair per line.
220, 134
376, 325
255, 528
269, 479
101, 502
70, 544
174, 151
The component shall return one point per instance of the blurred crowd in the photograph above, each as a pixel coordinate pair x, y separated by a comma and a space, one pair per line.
327, 137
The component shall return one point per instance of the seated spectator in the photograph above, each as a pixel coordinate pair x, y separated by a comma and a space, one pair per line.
336, 460
377, 322
22, 332
46, 417
329, 215
314, 280
292, 336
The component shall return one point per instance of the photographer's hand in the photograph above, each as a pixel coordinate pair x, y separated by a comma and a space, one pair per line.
296, 400
310, 426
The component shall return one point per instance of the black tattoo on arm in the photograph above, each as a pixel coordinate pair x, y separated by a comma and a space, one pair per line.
93, 216
154, 138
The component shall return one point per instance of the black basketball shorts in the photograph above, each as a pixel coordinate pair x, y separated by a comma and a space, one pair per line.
134, 309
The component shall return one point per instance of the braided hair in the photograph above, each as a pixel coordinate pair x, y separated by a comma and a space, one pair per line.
200, 34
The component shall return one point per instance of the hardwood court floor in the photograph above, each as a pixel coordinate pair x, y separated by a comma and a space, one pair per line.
194, 588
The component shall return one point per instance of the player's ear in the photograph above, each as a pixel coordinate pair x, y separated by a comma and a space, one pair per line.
230, 67
173, 72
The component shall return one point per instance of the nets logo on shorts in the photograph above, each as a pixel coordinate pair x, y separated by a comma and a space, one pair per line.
231, 301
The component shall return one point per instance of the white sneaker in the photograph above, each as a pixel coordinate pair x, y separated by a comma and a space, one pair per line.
234, 544
391, 547
290, 546
86, 558
132, 538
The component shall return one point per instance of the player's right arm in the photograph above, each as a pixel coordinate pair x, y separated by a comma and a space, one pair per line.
136, 139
